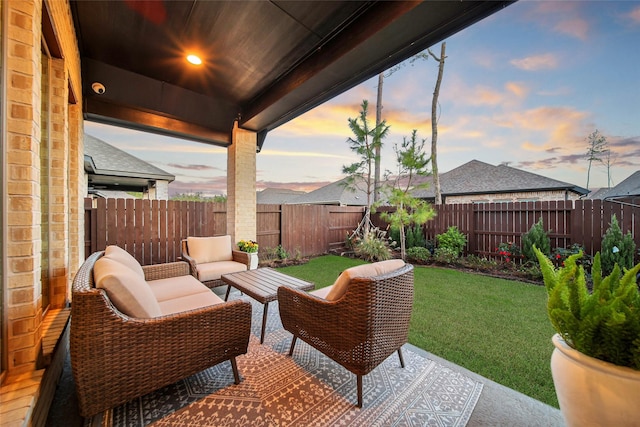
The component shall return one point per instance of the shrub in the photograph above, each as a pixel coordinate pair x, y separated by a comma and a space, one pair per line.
538, 237
452, 240
418, 254
446, 255
418, 237
410, 239
509, 251
616, 249
560, 255
372, 248
394, 236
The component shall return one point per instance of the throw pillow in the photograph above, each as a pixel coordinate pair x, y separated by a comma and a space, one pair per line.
339, 287
128, 292
118, 254
210, 249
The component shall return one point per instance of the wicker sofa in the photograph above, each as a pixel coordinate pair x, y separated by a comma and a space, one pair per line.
359, 321
117, 356
211, 257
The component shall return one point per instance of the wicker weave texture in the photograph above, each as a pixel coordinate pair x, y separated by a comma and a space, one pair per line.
115, 358
360, 330
238, 256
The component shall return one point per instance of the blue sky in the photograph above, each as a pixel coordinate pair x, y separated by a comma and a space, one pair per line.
525, 86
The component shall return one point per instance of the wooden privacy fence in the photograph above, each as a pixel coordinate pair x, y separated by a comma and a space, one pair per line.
151, 230
567, 222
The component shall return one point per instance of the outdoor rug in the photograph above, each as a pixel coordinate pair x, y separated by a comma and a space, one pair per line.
307, 389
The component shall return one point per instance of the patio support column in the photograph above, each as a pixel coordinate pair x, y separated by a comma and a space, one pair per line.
241, 185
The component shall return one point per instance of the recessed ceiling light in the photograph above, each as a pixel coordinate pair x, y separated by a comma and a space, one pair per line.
194, 59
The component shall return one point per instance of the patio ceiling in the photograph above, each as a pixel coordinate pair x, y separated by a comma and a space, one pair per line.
264, 62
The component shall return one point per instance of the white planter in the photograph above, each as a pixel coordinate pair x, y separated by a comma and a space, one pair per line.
592, 392
253, 257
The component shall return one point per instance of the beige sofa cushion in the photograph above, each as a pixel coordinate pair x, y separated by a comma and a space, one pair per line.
128, 292
189, 302
339, 287
175, 287
118, 254
213, 270
210, 249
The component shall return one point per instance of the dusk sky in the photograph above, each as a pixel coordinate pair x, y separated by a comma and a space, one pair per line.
525, 86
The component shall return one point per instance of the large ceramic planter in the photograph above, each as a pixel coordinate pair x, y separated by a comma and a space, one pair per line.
592, 392
253, 258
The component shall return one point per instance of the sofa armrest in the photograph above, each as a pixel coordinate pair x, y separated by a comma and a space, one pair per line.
163, 271
306, 316
242, 257
116, 358
193, 266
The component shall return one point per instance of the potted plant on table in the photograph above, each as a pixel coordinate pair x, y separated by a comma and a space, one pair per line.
251, 247
596, 360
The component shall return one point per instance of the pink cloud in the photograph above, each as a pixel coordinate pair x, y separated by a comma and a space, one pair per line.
575, 27
547, 61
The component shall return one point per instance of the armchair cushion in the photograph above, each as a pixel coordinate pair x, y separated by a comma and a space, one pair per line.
210, 249
175, 287
189, 302
339, 287
128, 292
213, 270
118, 254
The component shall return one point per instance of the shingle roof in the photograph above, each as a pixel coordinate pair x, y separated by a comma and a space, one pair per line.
476, 177
333, 194
277, 196
628, 187
111, 161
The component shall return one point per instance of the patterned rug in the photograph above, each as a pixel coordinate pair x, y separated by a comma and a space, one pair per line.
307, 389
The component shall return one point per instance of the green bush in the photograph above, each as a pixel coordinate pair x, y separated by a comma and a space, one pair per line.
446, 255
560, 255
616, 248
394, 236
538, 237
452, 240
373, 248
418, 237
418, 254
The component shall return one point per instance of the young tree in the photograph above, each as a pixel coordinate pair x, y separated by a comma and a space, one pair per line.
412, 162
365, 143
597, 148
434, 123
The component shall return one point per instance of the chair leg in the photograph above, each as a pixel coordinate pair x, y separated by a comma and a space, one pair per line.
234, 366
359, 377
293, 344
401, 358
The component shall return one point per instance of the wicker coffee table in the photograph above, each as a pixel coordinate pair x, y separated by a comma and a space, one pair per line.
262, 285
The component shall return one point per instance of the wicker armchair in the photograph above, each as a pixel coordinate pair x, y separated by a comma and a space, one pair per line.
116, 358
359, 330
238, 257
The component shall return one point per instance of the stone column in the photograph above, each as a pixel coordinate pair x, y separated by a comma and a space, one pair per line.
241, 185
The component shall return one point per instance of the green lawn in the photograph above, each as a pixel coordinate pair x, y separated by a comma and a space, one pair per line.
494, 327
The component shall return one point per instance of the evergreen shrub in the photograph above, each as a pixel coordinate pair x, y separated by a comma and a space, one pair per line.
538, 237
616, 248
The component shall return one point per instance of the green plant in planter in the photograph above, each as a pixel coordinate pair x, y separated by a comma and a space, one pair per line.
604, 324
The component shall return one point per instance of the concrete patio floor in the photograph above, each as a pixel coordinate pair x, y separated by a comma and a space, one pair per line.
498, 405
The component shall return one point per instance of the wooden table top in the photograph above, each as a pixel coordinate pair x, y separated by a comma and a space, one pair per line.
262, 284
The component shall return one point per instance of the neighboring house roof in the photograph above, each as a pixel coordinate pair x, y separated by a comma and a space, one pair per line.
627, 188
333, 194
109, 168
277, 196
476, 177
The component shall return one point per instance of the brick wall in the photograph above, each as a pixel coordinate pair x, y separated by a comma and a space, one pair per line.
44, 182
241, 185
537, 196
